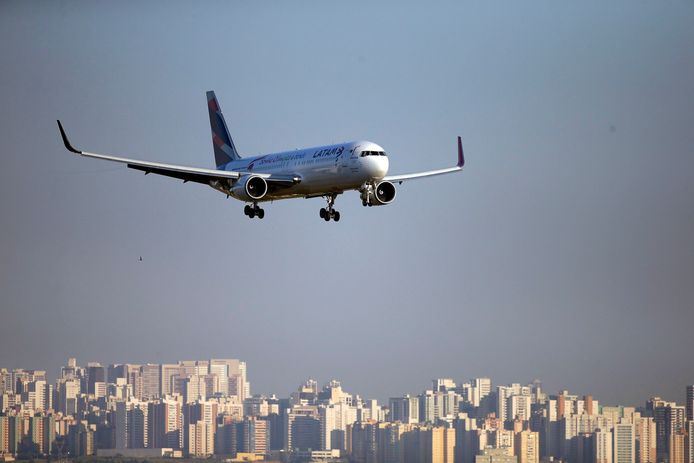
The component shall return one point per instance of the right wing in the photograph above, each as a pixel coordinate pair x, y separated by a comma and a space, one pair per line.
429, 173
187, 174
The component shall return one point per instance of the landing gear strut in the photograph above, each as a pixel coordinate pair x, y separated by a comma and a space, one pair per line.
327, 213
367, 193
254, 211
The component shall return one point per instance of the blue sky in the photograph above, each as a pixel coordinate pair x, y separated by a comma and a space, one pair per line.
562, 252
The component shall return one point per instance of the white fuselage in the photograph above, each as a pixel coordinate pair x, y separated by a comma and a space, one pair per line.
322, 170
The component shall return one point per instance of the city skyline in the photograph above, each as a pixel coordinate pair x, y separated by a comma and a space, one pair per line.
686, 396
205, 408
564, 252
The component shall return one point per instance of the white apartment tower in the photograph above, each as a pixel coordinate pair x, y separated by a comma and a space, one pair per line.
603, 446
624, 445
645, 440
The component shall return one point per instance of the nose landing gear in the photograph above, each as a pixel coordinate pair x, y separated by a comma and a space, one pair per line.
366, 194
253, 211
327, 213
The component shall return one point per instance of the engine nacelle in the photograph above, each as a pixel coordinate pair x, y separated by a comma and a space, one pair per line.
383, 193
249, 188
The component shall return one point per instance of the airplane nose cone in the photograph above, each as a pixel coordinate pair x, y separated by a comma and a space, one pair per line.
376, 166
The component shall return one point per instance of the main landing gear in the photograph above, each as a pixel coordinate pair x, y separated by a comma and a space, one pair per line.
327, 213
254, 211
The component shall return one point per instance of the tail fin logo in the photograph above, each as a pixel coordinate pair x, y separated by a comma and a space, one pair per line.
223, 145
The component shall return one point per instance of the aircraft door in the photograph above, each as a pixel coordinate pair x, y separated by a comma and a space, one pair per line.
349, 160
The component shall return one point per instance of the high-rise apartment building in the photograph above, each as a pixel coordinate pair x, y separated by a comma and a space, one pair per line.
166, 423
363, 444
443, 384
131, 424
302, 428
645, 440
5, 381
466, 438
677, 446
201, 439
194, 389
689, 443
404, 409
389, 444
526, 447
34, 394
370, 410
427, 407
624, 443
226, 439
10, 433
513, 400
4, 434
253, 435
689, 405
168, 374
334, 419
191, 367
150, 375
482, 388
71, 370
220, 369
132, 372
442, 445
41, 432
429, 444
115, 371
231, 374
201, 411
81, 439
68, 390
602, 446
95, 374
518, 406
669, 420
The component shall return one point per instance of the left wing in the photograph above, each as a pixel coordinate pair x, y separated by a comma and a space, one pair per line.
429, 173
187, 174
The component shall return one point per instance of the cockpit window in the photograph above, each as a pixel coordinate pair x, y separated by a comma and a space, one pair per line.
372, 153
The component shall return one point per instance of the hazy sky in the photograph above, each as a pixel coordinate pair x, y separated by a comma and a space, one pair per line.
564, 251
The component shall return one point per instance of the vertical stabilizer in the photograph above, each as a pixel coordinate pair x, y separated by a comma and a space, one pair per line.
224, 149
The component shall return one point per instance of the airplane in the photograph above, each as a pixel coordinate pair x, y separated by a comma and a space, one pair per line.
322, 171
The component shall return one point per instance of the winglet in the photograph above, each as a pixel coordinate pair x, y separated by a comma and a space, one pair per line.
461, 158
66, 141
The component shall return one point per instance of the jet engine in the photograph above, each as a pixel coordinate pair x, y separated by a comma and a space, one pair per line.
249, 188
383, 193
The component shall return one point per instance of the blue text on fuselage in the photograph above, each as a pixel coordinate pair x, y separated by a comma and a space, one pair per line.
329, 152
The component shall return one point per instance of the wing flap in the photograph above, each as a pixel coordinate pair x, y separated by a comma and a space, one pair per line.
185, 176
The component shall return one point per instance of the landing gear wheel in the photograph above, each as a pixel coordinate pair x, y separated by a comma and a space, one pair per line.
261, 213
247, 210
327, 213
364, 203
251, 213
